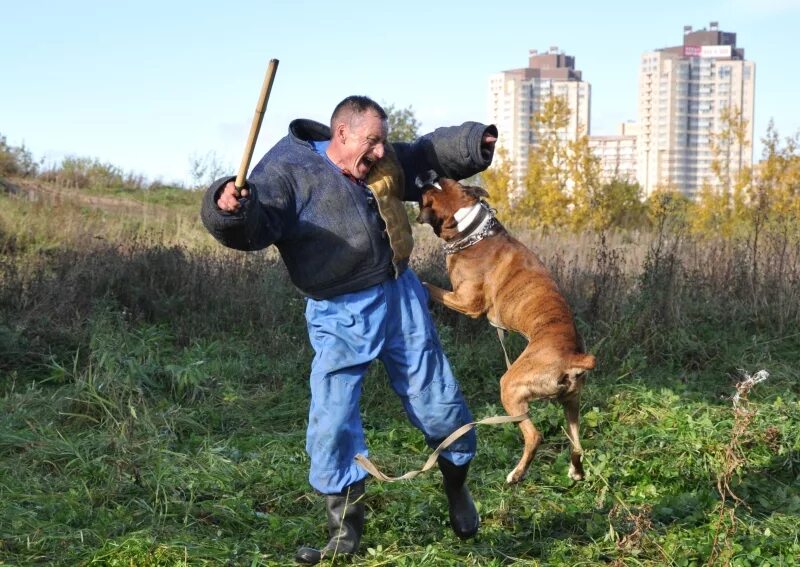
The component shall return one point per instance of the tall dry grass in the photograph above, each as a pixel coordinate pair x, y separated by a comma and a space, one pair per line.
634, 293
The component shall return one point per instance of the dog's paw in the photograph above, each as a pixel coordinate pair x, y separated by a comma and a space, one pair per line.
575, 475
515, 476
576, 469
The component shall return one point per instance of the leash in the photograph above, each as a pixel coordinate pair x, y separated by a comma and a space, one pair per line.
494, 420
501, 334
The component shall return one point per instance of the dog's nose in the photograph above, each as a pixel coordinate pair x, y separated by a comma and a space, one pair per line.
425, 216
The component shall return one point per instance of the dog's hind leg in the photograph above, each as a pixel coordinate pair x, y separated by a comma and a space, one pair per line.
514, 396
574, 378
571, 413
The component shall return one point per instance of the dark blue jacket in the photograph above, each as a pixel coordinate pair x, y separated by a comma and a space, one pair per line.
327, 227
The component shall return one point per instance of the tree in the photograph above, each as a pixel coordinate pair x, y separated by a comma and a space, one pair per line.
497, 182
403, 124
618, 203
667, 210
562, 183
592, 204
205, 169
16, 160
722, 202
776, 190
544, 200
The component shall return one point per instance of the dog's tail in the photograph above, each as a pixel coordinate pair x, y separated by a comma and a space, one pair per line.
580, 362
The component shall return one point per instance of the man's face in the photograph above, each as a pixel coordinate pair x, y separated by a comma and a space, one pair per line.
364, 140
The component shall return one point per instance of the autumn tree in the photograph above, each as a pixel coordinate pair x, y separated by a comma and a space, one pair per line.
618, 204
774, 200
545, 199
722, 202
667, 210
563, 186
775, 192
497, 182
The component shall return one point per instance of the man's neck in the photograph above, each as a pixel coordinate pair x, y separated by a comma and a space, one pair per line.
332, 153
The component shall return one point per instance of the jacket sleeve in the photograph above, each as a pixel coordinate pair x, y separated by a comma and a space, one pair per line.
453, 152
263, 219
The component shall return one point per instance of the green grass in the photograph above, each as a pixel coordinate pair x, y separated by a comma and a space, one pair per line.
153, 400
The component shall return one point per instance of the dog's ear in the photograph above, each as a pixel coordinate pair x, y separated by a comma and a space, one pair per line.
476, 193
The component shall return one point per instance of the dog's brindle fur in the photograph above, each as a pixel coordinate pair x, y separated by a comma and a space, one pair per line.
500, 278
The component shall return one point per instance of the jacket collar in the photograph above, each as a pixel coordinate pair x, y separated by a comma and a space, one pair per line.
306, 131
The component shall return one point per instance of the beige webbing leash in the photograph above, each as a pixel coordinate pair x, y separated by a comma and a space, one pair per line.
501, 334
494, 420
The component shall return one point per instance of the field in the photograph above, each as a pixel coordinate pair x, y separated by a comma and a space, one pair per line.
153, 401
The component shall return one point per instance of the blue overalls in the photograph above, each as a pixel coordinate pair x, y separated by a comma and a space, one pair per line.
389, 322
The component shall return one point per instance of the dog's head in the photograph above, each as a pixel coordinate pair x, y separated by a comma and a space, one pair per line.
441, 201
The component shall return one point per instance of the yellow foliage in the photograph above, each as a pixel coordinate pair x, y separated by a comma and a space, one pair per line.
497, 182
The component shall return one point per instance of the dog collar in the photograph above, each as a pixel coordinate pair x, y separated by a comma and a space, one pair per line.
475, 232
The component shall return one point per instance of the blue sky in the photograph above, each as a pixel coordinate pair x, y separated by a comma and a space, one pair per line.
149, 85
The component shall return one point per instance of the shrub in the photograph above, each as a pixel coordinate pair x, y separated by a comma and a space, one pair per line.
16, 161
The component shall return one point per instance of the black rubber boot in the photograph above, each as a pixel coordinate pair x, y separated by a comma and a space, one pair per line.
463, 514
345, 526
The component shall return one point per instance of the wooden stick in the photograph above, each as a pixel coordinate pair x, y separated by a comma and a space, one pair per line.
261, 106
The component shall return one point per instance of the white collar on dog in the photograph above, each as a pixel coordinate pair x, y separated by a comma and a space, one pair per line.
465, 215
475, 224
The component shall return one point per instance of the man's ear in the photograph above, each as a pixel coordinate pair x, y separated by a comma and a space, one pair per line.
339, 133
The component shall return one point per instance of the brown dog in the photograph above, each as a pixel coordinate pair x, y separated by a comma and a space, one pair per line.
494, 274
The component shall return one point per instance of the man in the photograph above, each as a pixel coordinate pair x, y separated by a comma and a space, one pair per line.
331, 200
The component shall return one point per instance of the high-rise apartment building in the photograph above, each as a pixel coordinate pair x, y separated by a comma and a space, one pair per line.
683, 92
515, 96
617, 153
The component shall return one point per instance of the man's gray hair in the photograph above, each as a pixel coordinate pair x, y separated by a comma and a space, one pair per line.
355, 105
